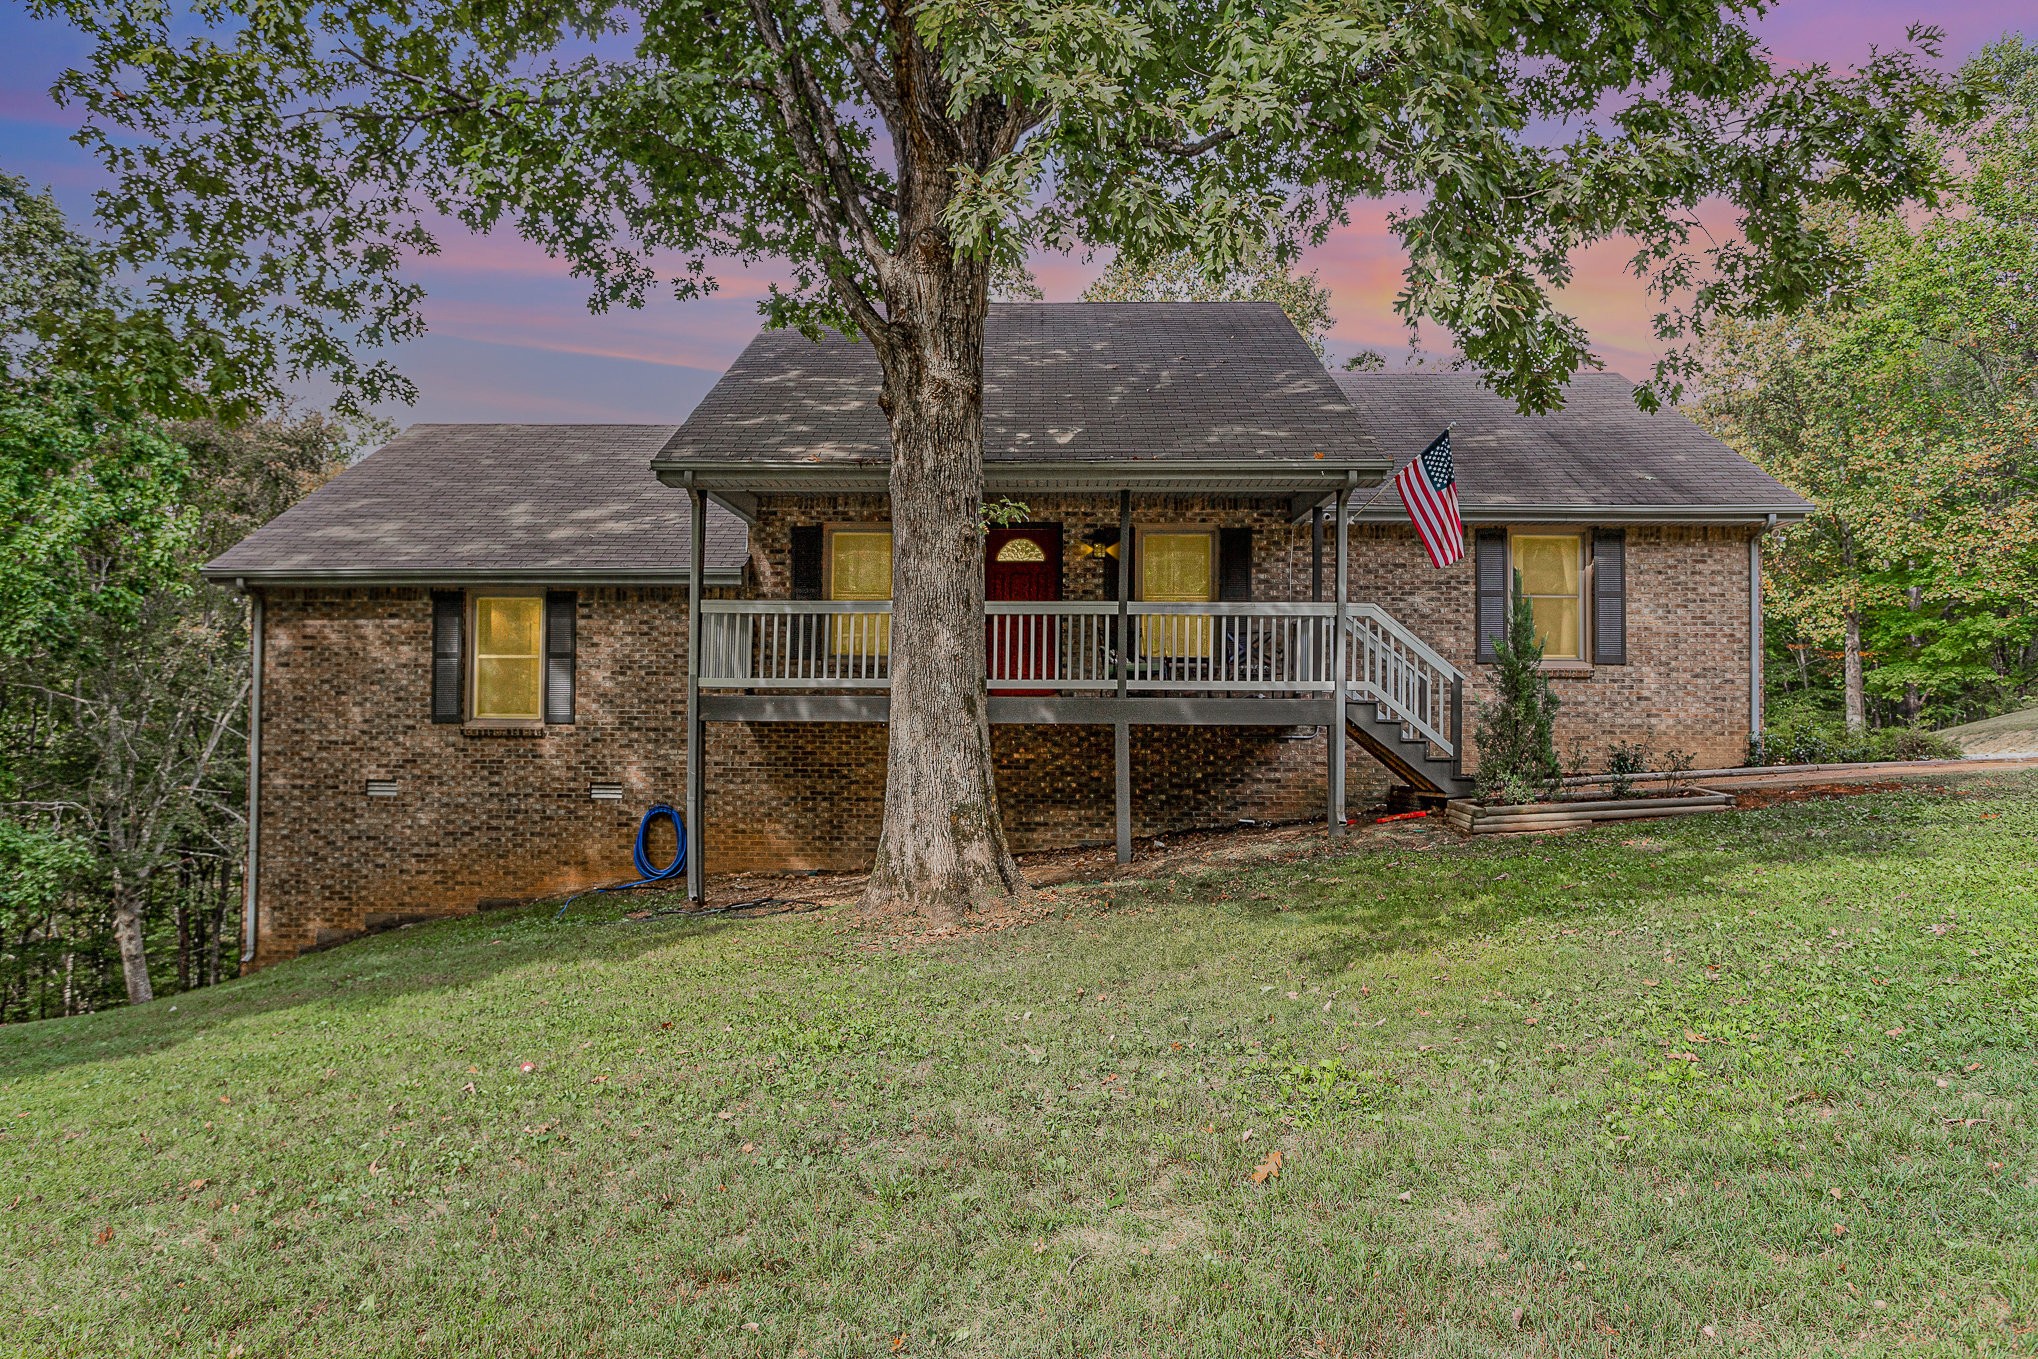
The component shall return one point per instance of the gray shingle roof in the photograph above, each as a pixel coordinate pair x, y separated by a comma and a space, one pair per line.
1070, 382
1598, 452
443, 502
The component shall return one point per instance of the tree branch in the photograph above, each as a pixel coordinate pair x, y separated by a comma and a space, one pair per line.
832, 213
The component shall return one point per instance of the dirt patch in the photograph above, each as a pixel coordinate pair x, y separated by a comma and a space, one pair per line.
1469, 1232
1137, 1232
1058, 880
1751, 798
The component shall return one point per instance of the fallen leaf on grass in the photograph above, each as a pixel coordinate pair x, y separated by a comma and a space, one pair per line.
1406, 1196
1839, 1229
1267, 1169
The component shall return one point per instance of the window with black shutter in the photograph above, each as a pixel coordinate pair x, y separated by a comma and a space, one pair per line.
562, 608
1102, 540
449, 621
1490, 577
1609, 597
1235, 565
805, 565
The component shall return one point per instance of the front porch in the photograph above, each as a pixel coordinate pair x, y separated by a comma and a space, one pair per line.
1346, 668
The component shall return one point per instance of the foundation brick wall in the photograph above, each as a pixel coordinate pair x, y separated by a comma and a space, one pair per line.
479, 819
786, 795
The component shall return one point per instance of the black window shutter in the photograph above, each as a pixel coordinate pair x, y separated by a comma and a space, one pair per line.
449, 622
1235, 565
1490, 582
1106, 537
1609, 597
562, 608
806, 561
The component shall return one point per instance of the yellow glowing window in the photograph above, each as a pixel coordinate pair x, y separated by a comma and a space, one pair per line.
1552, 570
860, 567
1021, 550
1177, 567
509, 633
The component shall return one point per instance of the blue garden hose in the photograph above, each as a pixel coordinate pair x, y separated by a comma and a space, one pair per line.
648, 873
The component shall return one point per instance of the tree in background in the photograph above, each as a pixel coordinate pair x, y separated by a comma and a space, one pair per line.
1259, 275
279, 162
1906, 407
123, 677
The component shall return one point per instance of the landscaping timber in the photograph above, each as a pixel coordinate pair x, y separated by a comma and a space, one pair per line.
1474, 818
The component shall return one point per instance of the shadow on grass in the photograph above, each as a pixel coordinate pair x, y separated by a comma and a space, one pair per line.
1414, 895
439, 956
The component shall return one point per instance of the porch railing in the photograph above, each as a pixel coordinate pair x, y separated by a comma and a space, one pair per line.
1255, 649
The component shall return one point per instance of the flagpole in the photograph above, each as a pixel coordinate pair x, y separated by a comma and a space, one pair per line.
1388, 480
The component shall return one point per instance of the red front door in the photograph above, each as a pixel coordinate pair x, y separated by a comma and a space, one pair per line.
1021, 563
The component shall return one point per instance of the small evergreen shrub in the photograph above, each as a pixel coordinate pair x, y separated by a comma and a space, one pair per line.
1517, 729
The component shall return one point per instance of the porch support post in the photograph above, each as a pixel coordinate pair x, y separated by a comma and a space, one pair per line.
1338, 667
1316, 555
1121, 731
1121, 768
696, 730
1124, 585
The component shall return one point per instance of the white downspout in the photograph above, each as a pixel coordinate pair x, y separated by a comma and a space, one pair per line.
250, 907
1755, 727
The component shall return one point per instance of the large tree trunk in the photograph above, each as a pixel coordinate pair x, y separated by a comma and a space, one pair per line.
127, 932
942, 849
1857, 704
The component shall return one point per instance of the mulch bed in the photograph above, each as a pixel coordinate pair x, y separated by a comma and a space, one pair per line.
1748, 799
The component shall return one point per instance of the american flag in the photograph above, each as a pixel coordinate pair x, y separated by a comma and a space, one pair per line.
1429, 488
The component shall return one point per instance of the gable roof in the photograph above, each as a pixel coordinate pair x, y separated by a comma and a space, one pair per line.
1148, 388
457, 503
1598, 456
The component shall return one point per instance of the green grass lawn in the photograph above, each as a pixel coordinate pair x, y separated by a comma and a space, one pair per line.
1756, 1083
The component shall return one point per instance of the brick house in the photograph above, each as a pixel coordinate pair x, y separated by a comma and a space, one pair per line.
483, 648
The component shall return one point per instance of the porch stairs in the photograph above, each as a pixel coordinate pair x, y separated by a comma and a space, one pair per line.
1404, 703
1407, 756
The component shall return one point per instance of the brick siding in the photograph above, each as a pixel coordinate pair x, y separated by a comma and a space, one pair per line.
508, 818
1685, 686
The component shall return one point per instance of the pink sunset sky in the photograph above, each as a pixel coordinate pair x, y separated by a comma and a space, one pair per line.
511, 337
